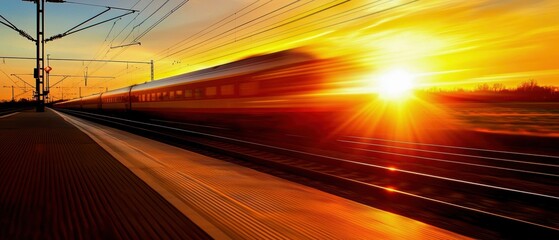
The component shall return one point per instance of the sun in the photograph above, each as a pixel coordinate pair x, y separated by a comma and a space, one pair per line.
395, 85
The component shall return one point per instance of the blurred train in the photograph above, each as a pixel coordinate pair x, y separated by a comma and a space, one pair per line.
289, 91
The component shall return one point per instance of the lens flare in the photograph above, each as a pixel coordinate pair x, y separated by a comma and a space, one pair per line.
395, 85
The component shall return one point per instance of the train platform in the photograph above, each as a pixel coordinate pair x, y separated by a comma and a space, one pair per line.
63, 177
57, 183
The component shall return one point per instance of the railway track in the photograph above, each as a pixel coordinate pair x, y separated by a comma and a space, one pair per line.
9, 111
477, 192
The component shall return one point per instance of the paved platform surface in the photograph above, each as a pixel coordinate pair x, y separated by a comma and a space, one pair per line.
229, 201
57, 183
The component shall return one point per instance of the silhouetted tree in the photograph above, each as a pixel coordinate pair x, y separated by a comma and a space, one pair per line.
528, 86
498, 87
484, 87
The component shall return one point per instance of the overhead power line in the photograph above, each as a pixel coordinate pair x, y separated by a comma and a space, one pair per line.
212, 27
142, 22
288, 34
102, 6
9, 24
79, 60
131, 21
233, 29
149, 29
320, 9
99, 52
160, 20
110, 44
74, 30
137, 39
14, 82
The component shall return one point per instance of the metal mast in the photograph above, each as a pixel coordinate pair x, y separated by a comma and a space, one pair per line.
39, 71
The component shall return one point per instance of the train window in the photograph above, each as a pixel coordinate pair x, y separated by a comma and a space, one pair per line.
227, 90
211, 91
248, 88
198, 93
164, 96
188, 93
153, 97
178, 93
172, 95
159, 96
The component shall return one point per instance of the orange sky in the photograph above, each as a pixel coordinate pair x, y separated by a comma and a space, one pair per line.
447, 44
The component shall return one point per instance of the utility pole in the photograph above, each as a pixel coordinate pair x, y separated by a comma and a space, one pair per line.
152, 73
13, 96
47, 70
38, 73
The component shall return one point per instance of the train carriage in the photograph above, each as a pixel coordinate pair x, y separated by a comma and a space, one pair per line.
284, 90
117, 100
91, 103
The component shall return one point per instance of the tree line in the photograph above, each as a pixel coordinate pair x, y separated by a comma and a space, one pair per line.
528, 90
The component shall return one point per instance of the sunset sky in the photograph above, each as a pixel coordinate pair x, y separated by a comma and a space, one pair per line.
444, 44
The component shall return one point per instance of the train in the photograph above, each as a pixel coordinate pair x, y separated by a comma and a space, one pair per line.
290, 90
